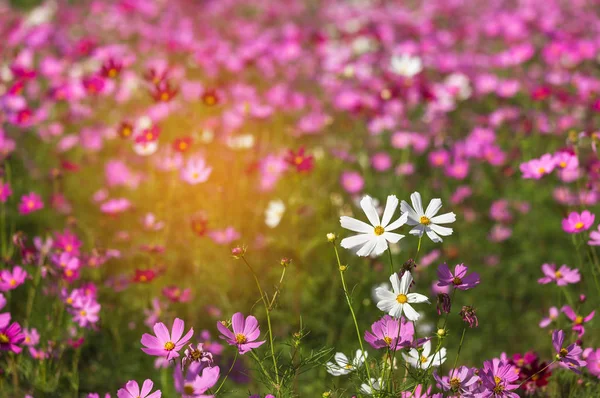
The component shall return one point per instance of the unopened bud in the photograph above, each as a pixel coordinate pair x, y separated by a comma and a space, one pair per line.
331, 237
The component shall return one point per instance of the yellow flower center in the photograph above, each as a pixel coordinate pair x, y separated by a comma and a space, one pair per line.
164, 96
563, 164
4, 338
541, 170
401, 298
240, 338
563, 352
143, 278
188, 389
425, 220
348, 366
82, 313
70, 300
68, 248
457, 280
112, 73
423, 359
298, 160
558, 274
379, 230
169, 346
388, 340
455, 383
12, 282
31, 204
579, 225
579, 320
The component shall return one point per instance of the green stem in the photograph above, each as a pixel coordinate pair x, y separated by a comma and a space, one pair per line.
253, 354
358, 335
227, 375
391, 260
262, 296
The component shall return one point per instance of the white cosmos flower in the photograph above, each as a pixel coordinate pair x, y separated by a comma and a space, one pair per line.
274, 212
374, 238
398, 301
406, 65
427, 221
378, 385
422, 360
343, 366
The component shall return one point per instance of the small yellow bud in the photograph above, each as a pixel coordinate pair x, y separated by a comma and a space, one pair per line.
343, 268
331, 237
441, 332
326, 394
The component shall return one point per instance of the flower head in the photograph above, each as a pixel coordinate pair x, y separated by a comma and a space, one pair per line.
374, 238
499, 379
391, 333
569, 356
426, 222
576, 222
343, 365
563, 276
30, 203
244, 334
398, 300
132, 390
166, 344
460, 279
12, 279
10, 336
420, 358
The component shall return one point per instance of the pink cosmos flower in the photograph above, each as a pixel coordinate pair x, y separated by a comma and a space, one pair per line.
595, 238
576, 223
460, 279
10, 280
32, 337
85, 311
578, 320
166, 344
244, 335
5, 192
30, 203
563, 276
537, 168
11, 337
593, 362
196, 171
224, 236
132, 390
390, 333
352, 182
205, 380
568, 357
500, 377
552, 316
381, 161
115, 206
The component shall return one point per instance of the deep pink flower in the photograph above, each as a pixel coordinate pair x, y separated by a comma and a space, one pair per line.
569, 356
30, 203
11, 337
85, 311
576, 223
244, 335
166, 344
460, 279
5, 192
132, 390
552, 316
593, 362
352, 182
578, 320
563, 276
390, 333
499, 379
537, 168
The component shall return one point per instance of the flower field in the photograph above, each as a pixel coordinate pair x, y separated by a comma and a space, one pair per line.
277, 199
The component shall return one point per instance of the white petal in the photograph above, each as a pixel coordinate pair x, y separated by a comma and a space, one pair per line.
356, 240
383, 294
392, 237
341, 359
387, 306
398, 223
444, 231
371, 212
405, 282
426, 348
417, 298
381, 246
396, 312
418, 230
415, 198
410, 313
355, 225
443, 218
390, 207
434, 206
433, 236
413, 217
395, 281
367, 248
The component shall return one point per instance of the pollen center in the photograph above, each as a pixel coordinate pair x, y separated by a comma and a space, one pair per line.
579, 320
423, 359
579, 225
388, 340
169, 346
455, 383
425, 220
558, 274
457, 280
379, 230
188, 389
563, 352
240, 338
401, 298
3, 338
348, 366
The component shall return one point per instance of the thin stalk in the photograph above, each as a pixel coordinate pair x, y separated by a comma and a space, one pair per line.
262, 296
228, 372
391, 260
358, 335
538, 372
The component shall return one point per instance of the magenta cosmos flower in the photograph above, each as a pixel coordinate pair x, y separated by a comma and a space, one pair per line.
499, 379
552, 316
30, 203
563, 276
132, 390
244, 335
595, 238
11, 337
576, 223
569, 356
390, 333
460, 279
165, 344
578, 320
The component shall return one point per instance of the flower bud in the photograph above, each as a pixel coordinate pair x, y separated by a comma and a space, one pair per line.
238, 252
285, 261
444, 303
331, 237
